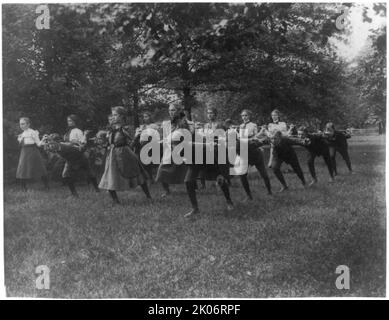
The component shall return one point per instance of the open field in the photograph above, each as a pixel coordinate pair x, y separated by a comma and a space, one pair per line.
285, 245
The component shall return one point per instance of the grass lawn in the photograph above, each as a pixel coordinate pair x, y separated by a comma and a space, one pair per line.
285, 245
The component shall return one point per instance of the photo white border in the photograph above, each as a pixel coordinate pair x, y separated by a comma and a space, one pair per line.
2, 283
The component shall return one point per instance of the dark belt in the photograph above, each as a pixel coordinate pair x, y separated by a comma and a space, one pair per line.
29, 145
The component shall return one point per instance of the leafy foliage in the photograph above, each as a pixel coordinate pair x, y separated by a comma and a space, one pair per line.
146, 55
369, 77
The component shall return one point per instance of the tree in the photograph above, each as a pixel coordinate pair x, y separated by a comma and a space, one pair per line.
370, 78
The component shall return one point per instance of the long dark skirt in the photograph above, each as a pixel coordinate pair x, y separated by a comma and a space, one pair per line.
209, 172
31, 164
212, 170
77, 167
172, 173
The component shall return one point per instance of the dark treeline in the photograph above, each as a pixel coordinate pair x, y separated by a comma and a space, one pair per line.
143, 56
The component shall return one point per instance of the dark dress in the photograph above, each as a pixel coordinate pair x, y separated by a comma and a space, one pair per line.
284, 152
137, 146
337, 142
55, 165
210, 171
123, 169
76, 161
318, 147
172, 173
31, 164
73, 153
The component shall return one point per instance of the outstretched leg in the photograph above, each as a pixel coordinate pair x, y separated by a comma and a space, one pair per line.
294, 162
23, 184
45, 180
166, 189
221, 181
332, 152
93, 181
68, 174
203, 184
270, 164
70, 183
311, 166
327, 160
146, 190
149, 170
260, 165
191, 191
344, 153
114, 196
246, 186
89, 174
276, 166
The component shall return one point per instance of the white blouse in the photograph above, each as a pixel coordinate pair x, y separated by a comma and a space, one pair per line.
29, 137
251, 127
280, 126
77, 136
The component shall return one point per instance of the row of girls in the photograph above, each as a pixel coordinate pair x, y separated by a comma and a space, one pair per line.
123, 169
31, 164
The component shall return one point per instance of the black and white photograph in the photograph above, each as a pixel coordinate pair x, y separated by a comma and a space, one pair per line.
194, 150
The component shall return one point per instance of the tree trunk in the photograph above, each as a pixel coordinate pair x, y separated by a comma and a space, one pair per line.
135, 109
271, 89
186, 87
187, 102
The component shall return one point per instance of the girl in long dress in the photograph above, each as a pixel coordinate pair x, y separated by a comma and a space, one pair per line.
74, 134
337, 141
275, 126
76, 162
123, 169
172, 173
147, 127
31, 164
213, 170
318, 147
255, 154
188, 172
73, 153
283, 152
